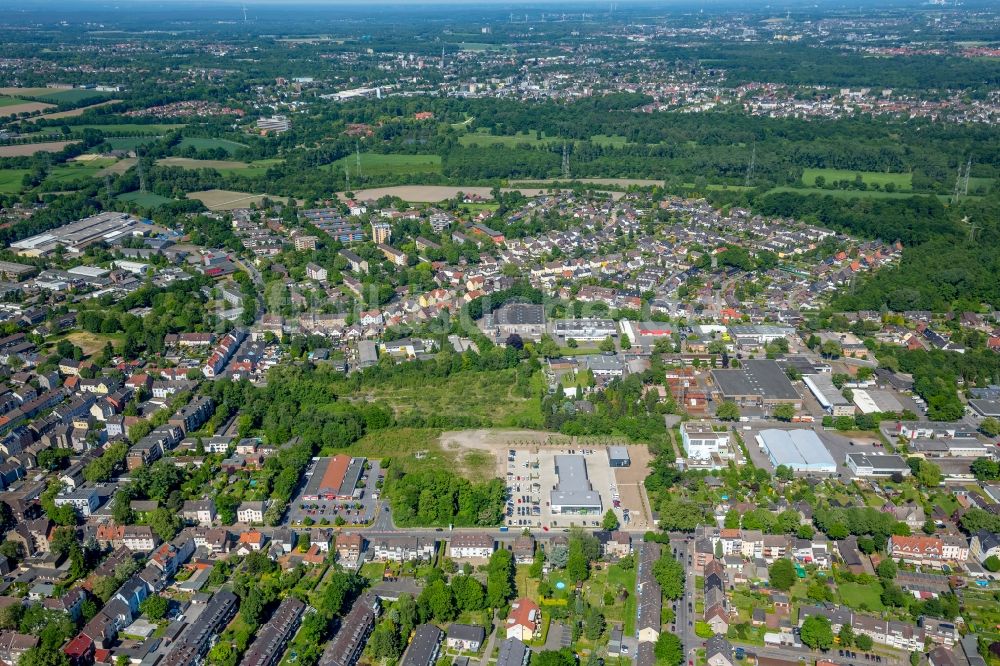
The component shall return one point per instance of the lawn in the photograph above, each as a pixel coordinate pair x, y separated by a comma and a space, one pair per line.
901, 181
855, 595
208, 144
378, 164
145, 199
10, 180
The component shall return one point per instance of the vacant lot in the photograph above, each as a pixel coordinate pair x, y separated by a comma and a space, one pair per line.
20, 106
32, 148
377, 164
901, 181
228, 200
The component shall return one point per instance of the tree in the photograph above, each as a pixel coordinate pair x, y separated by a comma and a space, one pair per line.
816, 632
990, 426
784, 412
668, 650
669, 573
165, 523
846, 635
577, 565
593, 623
986, 469
992, 563
782, 574
607, 345
864, 642
500, 578
728, 411
563, 657
887, 569
44, 656
610, 522
155, 607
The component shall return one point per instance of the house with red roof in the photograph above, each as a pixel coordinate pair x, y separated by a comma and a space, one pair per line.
524, 620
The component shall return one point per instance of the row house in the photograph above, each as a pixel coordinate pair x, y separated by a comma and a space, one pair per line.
471, 546
216, 363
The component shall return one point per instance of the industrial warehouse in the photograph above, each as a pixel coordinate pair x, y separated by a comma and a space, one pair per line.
800, 450
75, 237
334, 478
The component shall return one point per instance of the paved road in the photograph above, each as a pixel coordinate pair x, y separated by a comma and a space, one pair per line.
686, 619
488, 652
793, 653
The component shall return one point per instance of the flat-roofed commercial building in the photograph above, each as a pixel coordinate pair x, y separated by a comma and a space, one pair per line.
867, 465
334, 478
756, 382
573, 493
800, 450
871, 401
701, 441
585, 329
829, 396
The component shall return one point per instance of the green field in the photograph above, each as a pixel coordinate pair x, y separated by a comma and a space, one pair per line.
131, 142
482, 139
73, 96
208, 144
11, 101
145, 199
225, 167
63, 174
10, 180
377, 164
614, 141
901, 181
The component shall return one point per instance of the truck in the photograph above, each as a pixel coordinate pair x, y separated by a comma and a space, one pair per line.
504, 529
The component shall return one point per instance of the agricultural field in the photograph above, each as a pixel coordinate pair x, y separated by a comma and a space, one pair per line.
228, 200
73, 113
24, 149
70, 96
21, 106
10, 180
199, 143
377, 164
433, 193
130, 128
130, 142
145, 199
11, 101
903, 182
225, 167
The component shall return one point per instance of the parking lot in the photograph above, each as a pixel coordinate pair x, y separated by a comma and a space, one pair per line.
353, 511
530, 476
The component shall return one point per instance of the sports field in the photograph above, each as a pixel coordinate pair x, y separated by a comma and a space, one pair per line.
901, 181
377, 164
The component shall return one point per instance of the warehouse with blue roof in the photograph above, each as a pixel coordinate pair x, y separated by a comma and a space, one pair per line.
800, 450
